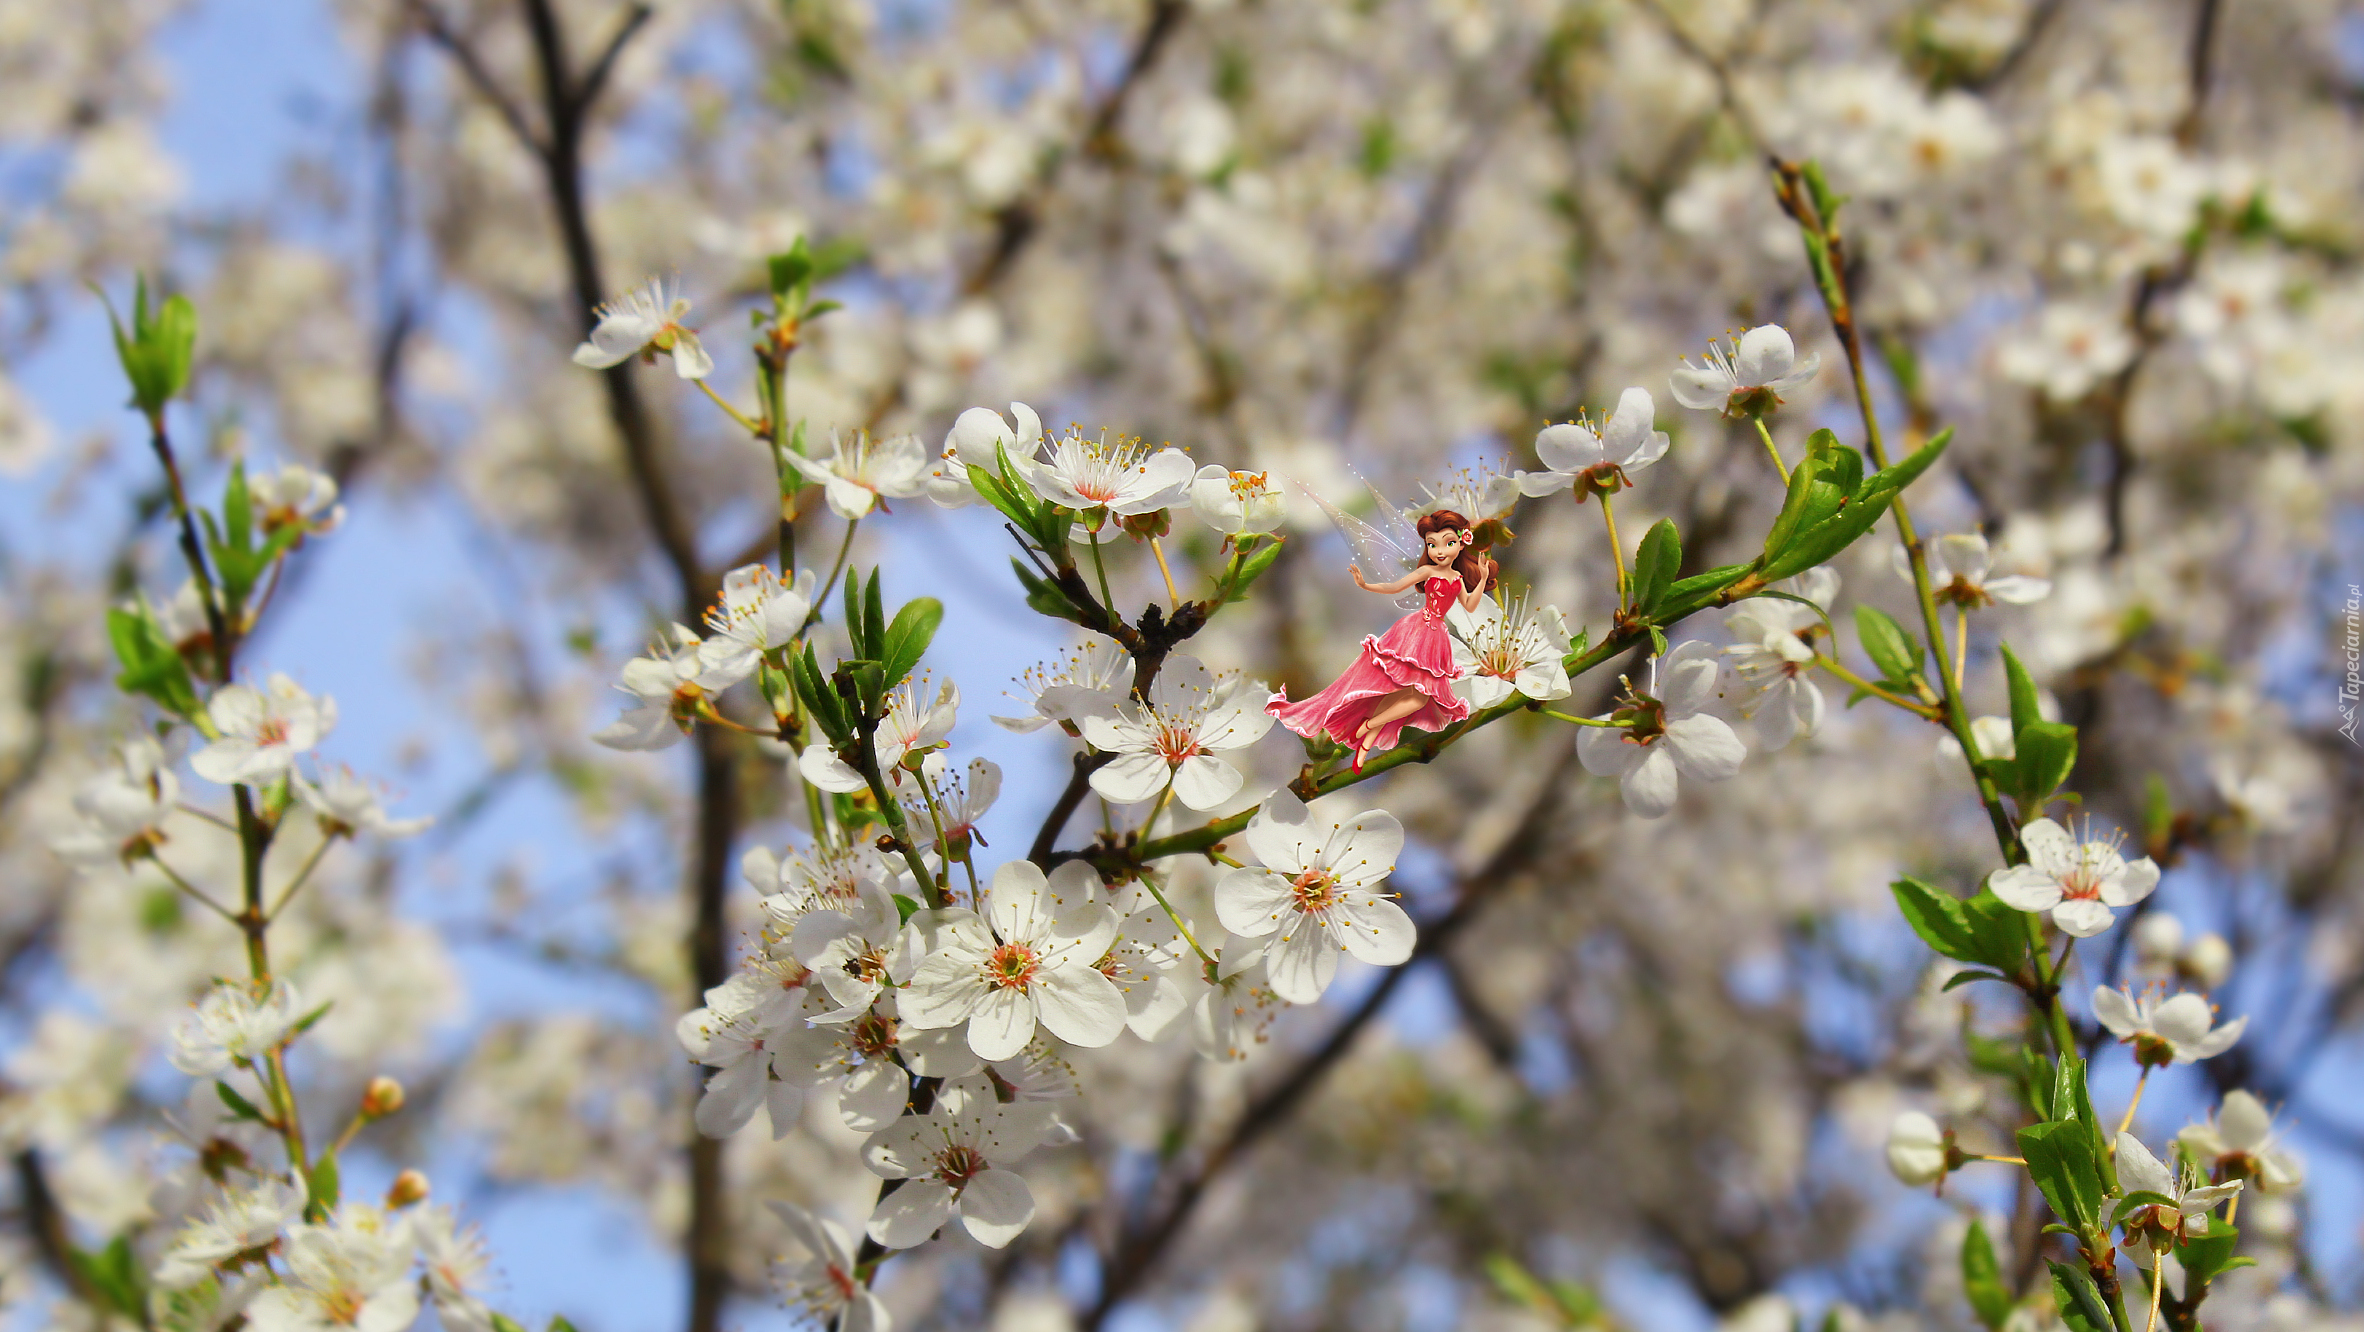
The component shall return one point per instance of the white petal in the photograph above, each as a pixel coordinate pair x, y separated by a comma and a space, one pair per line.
1649, 787
2117, 1012
1132, 777
873, 1096
2131, 884
910, 1214
1704, 748
1081, 1007
2018, 589
827, 771
1765, 353
1607, 752
2025, 888
2082, 918
1378, 932
1701, 387
996, 1206
1250, 902
1002, 1024
1301, 964
2050, 848
782, 1101
1203, 782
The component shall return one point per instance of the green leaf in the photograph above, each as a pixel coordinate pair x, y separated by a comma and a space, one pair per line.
2079, 1303
1982, 1278
2061, 1160
1656, 563
152, 666
504, 1323
1793, 506
1897, 653
114, 1276
1043, 596
1246, 568
904, 906
874, 620
310, 1020
907, 639
1998, 931
240, 1107
791, 268
558, 1323
322, 1182
828, 711
1962, 978
1698, 590
2024, 710
1938, 917
156, 350
2047, 754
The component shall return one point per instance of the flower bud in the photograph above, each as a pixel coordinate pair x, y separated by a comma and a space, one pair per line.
2209, 960
381, 1098
2158, 937
409, 1187
1919, 1152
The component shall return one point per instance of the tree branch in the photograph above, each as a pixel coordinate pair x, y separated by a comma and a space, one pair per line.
479, 76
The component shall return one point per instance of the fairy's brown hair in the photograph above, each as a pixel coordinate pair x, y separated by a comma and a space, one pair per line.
1477, 569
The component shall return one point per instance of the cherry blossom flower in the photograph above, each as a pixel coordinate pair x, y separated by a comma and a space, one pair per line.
260, 731
739, 1034
1237, 503
2074, 347
122, 809
1665, 736
823, 1282
757, 613
1105, 477
909, 727
2078, 880
1232, 1001
1522, 649
1191, 715
1995, 737
1598, 461
1027, 959
1478, 494
1919, 1152
295, 496
645, 322
233, 1025
954, 1159
1091, 680
239, 1224
1318, 888
960, 803
1747, 378
1772, 656
351, 1275
2165, 1031
818, 878
977, 439
856, 950
666, 684
2185, 1213
861, 475
455, 1265
869, 1060
347, 806
1143, 961
1958, 569
2239, 1142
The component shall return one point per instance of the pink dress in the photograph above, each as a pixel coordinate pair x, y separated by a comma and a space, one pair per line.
1415, 652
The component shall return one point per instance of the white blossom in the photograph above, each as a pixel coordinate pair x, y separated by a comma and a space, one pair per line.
758, 612
823, 1281
1748, 377
1028, 958
2078, 880
954, 1159
1237, 503
233, 1025
910, 726
2178, 1030
261, 731
665, 683
1917, 1149
1103, 477
960, 803
1772, 656
236, 1224
1959, 567
122, 809
860, 475
646, 321
1575, 454
347, 805
1521, 649
855, 950
2239, 1142
2073, 348
1091, 680
1191, 716
1318, 889
2185, 1213
1665, 736
350, 1275
977, 439
456, 1267
295, 496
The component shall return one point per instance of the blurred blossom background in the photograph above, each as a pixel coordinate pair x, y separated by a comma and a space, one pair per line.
2113, 243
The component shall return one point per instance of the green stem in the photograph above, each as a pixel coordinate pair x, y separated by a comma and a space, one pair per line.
1149, 882
1107, 601
1846, 676
303, 875
746, 423
1616, 548
1582, 721
1767, 436
192, 889
836, 568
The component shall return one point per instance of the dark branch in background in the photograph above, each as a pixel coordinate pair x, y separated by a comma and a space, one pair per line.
1137, 1253
46, 1224
1046, 838
566, 106
2039, 21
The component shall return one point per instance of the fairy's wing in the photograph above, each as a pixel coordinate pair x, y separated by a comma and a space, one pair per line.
1386, 553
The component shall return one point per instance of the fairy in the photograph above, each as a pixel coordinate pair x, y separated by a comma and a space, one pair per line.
1405, 676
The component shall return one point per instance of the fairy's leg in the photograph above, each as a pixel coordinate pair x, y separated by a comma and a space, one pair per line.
1402, 703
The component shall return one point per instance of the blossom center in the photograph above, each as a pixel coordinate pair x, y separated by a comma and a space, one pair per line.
272, 731
1175, 743
1314, 890
1012, 967
959, 1163
874, 1036
1246, 486
342, 1306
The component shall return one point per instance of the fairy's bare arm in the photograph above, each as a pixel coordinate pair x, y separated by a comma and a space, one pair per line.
1389, 589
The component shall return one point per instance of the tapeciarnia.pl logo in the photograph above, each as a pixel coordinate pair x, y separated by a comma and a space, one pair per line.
2351, 688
